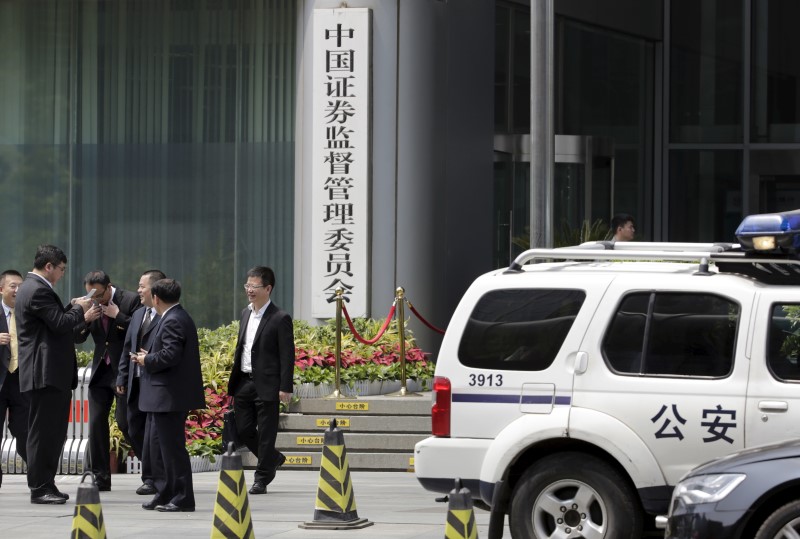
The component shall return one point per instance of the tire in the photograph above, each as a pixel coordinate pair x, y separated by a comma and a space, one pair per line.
785, 522
577, 496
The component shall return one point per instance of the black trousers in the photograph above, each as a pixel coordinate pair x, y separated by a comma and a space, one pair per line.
136, 429
47, 431
257, 426
101, 397
17, 404
165, 450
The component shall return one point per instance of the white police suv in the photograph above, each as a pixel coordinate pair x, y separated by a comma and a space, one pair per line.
573, 393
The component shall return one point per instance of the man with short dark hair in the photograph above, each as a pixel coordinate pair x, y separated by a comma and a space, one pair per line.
139, 337
262, 374
171, 385
107, 321
48, 367
11, 399
623, 227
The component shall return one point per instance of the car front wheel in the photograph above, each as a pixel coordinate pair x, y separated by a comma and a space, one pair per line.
577, 496
783, 523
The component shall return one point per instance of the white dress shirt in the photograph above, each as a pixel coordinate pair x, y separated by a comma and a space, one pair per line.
250, 336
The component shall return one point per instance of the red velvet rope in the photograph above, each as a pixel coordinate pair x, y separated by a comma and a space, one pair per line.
431, 326
358, 337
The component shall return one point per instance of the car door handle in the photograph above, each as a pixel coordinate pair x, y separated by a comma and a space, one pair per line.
581, 362
773, 406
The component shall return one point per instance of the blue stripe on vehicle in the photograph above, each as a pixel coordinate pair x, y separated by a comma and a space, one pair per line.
560, 400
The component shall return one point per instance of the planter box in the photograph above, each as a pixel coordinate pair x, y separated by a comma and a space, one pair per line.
313, 391
204, 464
199, 464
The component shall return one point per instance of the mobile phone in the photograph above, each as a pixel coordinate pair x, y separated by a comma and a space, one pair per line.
90, 294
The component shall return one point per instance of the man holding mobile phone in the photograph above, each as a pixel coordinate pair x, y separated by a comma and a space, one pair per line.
107, 322
48, 367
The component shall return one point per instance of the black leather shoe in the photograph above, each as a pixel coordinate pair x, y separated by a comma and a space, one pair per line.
152, 504
104, 487
172, 508
146, 489
281, 460
258, 488
61, 495
49, 498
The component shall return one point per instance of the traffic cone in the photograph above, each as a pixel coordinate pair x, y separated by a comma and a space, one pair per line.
87, 521
335, 508
232, 509
460, 516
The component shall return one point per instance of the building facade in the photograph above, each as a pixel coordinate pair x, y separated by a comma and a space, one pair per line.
179, 134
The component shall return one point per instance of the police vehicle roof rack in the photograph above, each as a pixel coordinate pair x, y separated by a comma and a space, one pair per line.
729, 258
604, 250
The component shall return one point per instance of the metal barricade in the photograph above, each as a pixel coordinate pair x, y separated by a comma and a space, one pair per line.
73, 456
10, 461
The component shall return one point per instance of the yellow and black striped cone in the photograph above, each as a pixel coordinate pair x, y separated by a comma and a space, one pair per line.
335, 508
87, 521
460, 515
232, 509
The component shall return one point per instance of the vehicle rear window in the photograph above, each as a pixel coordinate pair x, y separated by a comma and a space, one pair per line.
519, 329
672, 334
784, 342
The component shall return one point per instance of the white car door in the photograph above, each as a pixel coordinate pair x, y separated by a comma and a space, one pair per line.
684, 396
773, 395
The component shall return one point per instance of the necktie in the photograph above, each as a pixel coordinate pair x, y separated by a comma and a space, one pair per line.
104, 320
12, 330
146, 324
148, 318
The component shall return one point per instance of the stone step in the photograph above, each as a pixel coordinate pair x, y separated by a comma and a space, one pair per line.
384, 442
309, 460
355, 423
371, 405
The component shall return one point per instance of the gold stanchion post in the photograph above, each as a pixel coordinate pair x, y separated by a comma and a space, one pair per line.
337, 393
401, 331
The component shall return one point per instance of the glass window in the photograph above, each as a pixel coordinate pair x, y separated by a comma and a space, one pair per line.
706, 73
519, 329
151, 134
775, 107
673, 334
604, 88
705, 195
783, 347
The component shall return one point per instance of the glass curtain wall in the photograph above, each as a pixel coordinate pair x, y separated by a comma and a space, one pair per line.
604, 87
151, 134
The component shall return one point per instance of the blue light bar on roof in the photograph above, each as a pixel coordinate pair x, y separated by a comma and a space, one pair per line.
771, 232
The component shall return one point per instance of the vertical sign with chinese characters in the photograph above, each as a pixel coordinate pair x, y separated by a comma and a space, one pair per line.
341, 165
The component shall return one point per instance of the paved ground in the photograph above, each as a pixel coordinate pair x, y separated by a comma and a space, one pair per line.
394, 501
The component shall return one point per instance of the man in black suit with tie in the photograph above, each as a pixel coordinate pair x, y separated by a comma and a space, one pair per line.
11, 399
171, 385
48, 367
262, 374
107, 321
139, 337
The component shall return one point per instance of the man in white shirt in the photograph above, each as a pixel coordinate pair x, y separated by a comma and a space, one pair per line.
11, 399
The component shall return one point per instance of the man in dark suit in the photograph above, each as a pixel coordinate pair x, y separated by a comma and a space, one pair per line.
11, 399
48, 367
171, 385
262, 374
139, 337
107, 321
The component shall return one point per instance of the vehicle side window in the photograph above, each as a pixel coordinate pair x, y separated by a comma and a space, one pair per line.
672, 334
784, 342
519, 329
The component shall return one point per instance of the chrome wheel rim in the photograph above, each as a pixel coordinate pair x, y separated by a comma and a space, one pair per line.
570, 509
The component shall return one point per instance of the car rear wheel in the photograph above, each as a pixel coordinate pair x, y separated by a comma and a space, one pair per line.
782, 524
574, 495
